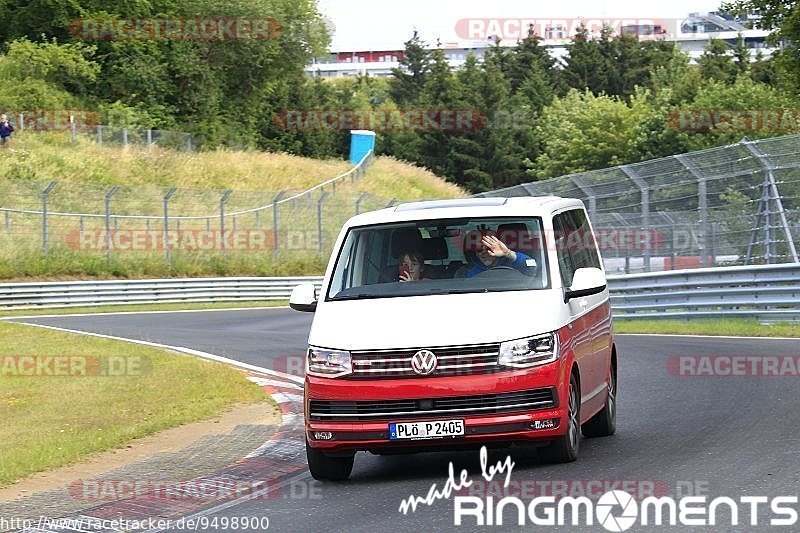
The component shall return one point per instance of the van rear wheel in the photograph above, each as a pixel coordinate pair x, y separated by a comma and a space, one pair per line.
565, 448
327, 467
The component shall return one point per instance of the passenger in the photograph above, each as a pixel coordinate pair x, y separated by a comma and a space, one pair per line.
485, 251
412, 266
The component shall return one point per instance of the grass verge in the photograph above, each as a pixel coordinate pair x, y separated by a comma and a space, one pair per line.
734, 328
55, 420
141, 308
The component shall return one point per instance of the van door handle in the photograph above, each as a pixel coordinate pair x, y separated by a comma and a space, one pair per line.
584, 303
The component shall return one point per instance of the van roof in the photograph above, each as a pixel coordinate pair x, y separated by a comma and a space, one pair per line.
467, 207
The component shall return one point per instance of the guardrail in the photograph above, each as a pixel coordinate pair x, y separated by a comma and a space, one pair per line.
770, 292
124, 292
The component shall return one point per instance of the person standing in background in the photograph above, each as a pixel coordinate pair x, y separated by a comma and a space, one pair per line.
5, 130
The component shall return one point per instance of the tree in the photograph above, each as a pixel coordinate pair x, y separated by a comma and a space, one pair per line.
761, 110
529, 58
585, 66
783, 17
582, 131
741, 55
716, 63
409, 79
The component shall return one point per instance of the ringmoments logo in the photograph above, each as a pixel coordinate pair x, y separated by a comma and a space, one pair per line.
615, 510
618, 511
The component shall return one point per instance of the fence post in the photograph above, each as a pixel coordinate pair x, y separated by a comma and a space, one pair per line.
72, 128
222, 201
147, 228
45, 193
109, 194
358, 202
319, 219
275, 220
166, 226
124, 137
713, 248
149, 137
772, 195
645, 190
702, 205
21, 122
188, 143
8, 222
99, 134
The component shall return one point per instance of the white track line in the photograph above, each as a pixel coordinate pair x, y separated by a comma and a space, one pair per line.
711, 336
180, 349
146, 312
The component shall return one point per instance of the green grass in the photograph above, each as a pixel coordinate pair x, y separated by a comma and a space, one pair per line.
86, 172
736, 328
51, 421
141, 308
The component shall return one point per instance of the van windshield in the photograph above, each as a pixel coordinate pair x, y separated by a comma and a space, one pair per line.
441, 257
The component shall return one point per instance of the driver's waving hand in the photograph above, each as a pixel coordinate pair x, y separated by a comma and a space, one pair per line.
485, 251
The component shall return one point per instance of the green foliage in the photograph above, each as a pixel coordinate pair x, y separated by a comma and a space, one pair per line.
716, 63
612, 100
409, 79
582, 131
613, 65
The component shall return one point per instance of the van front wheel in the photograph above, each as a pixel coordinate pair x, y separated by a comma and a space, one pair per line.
565, 448
326, 467
604, 423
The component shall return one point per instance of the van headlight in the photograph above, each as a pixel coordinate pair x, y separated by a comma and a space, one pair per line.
530, 351
328, 363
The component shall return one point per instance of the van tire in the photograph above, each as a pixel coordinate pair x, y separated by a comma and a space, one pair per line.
327, 467
604, 423
564, 449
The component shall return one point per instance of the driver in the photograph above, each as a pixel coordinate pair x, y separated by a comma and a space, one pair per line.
484, 251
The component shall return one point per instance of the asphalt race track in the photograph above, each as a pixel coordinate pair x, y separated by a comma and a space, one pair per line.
713, 436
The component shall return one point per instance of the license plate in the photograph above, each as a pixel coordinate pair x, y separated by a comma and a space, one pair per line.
434, 429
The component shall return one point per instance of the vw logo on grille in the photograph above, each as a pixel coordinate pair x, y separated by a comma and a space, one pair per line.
423, 362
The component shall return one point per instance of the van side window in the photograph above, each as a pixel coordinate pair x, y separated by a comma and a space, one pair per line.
584, 251
565, 265
575, 244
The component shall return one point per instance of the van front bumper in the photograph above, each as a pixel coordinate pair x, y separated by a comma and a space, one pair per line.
338, 434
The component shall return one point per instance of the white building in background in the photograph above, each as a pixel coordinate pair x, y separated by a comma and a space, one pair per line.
691, 35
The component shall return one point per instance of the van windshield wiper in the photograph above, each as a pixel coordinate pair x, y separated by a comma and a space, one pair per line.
457, 291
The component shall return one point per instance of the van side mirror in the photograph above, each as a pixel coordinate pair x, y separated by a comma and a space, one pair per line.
585, 282
304, 298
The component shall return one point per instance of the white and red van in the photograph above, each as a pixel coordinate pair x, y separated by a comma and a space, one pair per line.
500, 334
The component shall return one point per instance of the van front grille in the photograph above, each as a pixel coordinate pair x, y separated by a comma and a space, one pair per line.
451, 361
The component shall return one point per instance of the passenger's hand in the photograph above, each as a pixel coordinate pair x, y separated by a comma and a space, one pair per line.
406, 276
497, 248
